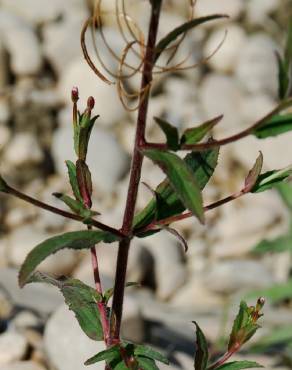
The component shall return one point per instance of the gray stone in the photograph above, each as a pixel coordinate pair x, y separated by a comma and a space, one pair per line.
40, 297
232, 276
23, 365
24, 320
258, 11
106, 159
167, 254
66, 345
21, 43
195, 296
226, 57
61, 43
36, 12
23, 149
132, 324
257, 66
231, 7
215, 103
13, 347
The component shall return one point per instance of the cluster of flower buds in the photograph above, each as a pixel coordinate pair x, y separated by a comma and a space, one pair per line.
245, 324
83, 124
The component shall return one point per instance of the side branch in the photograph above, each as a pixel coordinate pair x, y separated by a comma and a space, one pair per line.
57, 211
169, 220
231, 139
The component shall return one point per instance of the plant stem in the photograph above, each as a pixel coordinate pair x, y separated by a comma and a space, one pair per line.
135, 175
231, 139
61, 212
224, 358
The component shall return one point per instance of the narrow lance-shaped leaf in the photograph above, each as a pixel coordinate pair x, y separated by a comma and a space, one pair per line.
277, 245
170, 132
196, 134
3, 185
76, 206
202, 166
253, 174
285, 190
73, 240
108, 355
245, 324
276, 293
73, 180
81, 299
283, 77
277, 125
178, 236
238, 365
270, 179
174, 34
279, 335
202, 353
145, 351
181, 179
146, 363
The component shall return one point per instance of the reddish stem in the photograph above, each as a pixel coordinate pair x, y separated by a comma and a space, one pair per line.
169, 220
122, 260
60, 212
224, 358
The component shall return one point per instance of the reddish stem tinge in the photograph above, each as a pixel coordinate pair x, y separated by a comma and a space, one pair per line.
119, 288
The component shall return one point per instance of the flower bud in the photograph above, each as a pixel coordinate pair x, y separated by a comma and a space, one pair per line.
90, 103
74, 94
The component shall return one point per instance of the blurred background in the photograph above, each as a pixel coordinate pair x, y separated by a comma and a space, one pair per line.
40, 61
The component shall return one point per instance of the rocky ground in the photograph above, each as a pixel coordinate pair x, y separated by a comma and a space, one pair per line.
40, 61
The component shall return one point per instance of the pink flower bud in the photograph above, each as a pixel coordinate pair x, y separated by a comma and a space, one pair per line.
74, 94
90, 103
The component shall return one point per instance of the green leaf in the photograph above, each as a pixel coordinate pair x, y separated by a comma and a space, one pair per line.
119, 366
73, 240
275, 293
277, 336
196, 134
84, 182
244, 326
283, 77
253, 174
146, 363
141, 350
171, 133
278, 245
277, 125
108, 355
181, 179
285, 190
180, 30
202, 166
238, 365
73, 180
202, 353
76, 206
3, 185
288, 49
270, 179
81, 299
